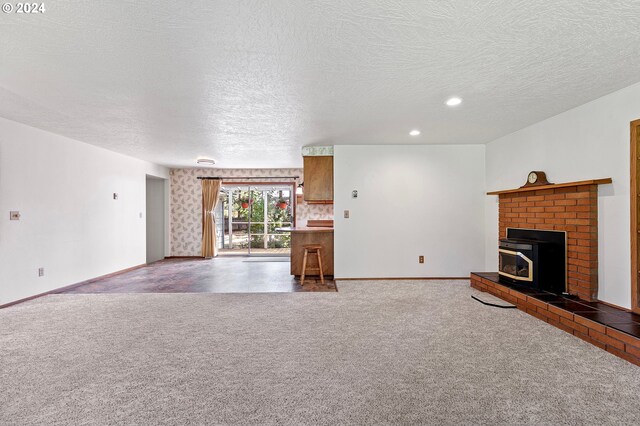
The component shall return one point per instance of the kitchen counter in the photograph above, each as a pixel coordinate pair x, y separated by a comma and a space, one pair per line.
303, 235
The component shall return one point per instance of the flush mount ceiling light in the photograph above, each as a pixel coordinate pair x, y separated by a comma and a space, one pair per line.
454, 101
206, 161
414, 132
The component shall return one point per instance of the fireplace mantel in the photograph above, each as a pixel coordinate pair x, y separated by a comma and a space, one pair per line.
552, 186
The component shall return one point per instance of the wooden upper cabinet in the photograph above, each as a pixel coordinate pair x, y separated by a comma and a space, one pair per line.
318, 179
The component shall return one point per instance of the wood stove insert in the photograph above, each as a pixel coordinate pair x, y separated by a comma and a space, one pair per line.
534, 258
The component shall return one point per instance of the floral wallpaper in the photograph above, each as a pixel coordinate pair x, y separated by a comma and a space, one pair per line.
185, 204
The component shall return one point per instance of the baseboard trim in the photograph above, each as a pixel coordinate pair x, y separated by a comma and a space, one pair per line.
184, 257
615, 306
402, 278
72, 286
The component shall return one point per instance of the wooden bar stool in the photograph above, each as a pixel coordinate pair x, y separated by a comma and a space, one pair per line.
312, 248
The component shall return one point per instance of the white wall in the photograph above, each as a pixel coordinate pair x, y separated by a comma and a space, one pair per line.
70, 224
590, 141
412, 200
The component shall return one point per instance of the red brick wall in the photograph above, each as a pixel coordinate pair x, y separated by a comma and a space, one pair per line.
572, 209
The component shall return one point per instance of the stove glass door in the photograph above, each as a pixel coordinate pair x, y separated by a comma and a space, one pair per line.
515, 264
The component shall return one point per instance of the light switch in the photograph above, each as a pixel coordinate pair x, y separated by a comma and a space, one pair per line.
14, 215
346, 214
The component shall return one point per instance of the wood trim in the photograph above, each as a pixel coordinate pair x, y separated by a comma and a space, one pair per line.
553, 185
320, 223
71, 286
402, 278
182, 257
634, 190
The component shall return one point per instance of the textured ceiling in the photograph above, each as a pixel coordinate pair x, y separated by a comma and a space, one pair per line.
250, 82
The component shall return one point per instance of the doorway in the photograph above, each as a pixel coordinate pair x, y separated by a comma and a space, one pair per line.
635, 215
155, 189
249, 218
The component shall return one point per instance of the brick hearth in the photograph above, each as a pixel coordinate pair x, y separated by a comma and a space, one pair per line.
573, 209
604, 326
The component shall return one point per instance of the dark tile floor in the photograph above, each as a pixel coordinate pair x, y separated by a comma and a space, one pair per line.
219, 275
596, 311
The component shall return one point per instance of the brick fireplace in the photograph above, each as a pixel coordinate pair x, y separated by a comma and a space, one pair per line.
572, 208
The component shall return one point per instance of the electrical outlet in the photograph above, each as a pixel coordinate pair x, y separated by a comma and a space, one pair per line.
420, 259
41, 272
346, 214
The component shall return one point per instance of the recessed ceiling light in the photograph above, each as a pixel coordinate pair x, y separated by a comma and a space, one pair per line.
453, 101
414, 132
206, 161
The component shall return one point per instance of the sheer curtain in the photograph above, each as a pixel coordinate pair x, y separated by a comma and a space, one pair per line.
210, 194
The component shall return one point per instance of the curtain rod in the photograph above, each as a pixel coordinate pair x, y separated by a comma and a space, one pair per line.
248, 177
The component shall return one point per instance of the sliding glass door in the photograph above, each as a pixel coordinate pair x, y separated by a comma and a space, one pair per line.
248, 216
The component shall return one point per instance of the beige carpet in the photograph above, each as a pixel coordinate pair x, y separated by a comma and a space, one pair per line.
373, 353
